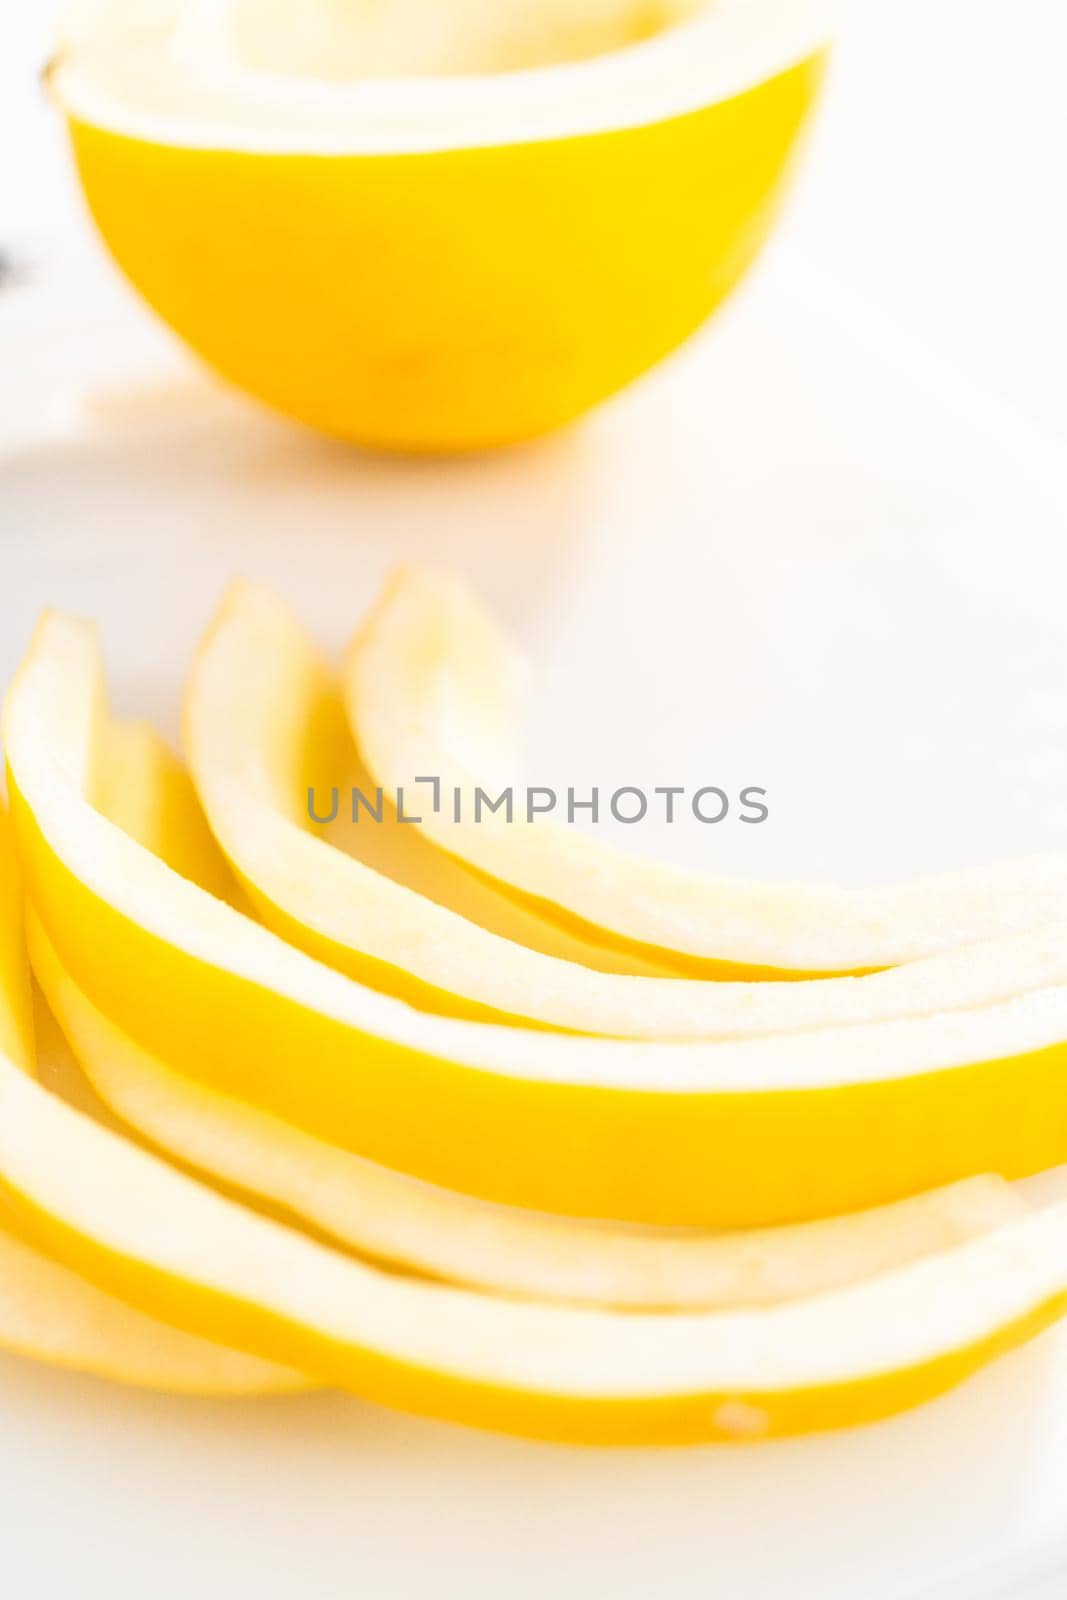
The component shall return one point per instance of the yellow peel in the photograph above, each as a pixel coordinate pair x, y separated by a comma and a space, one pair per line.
743, 1133
49, 1312
415, 687
16, 1003
146, 791
177, 1250
440, 1234
434, 1231
264, 730
181, 1251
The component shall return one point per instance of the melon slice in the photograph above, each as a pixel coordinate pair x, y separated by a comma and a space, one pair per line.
433, 1231
437, 1233
739, 1133
143, 788
372, 216
183, 1252
139, 773
425, 683
49, 1312
179, 1251
265, 733
16, 1001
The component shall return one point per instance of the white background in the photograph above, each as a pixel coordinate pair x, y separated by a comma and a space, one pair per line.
920, 276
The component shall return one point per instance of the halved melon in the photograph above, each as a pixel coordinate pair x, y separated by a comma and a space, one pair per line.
419, 674
436, 226
49, 1312
741, 1133
265, 731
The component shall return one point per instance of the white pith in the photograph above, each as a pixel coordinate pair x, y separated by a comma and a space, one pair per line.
172, 73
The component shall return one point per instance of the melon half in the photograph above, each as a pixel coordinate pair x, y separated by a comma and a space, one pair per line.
436, 227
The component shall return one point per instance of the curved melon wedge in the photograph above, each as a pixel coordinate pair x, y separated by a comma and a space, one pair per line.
50, 1314
16, 1001
424, 684
736, 1134
437, 1233
143, 788
47, 1311
264, 728
180, 1251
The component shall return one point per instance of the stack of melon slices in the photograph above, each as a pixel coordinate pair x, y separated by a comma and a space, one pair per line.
494, 1123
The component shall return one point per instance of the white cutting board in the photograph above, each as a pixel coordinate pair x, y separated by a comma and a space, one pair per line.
803, 556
